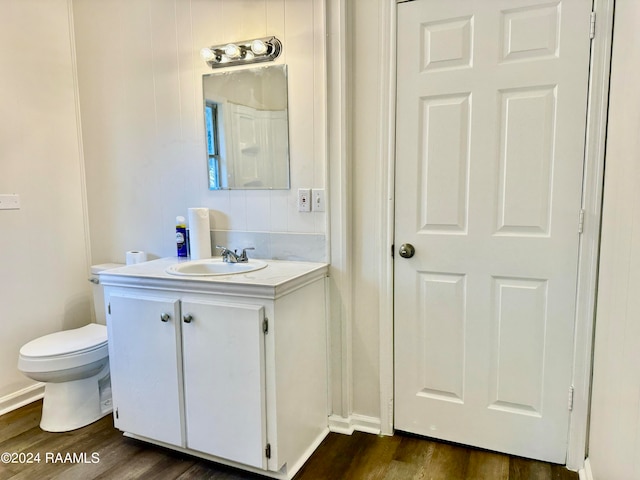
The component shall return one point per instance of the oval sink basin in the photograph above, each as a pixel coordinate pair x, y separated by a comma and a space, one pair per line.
213, 266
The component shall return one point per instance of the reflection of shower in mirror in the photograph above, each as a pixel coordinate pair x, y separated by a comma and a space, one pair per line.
246, 128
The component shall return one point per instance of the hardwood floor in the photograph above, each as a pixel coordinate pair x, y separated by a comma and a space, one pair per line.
339, 457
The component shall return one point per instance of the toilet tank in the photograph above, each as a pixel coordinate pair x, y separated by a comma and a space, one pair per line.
98, 292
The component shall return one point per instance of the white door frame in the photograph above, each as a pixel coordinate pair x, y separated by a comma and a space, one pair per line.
589, 242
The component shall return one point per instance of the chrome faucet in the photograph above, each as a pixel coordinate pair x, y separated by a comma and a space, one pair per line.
233, 257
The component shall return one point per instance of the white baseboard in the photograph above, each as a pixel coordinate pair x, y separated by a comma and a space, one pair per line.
291, 471
585, 472
340, 424
355, 422
18, 399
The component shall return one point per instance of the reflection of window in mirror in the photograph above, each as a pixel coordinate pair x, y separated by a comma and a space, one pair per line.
213, 144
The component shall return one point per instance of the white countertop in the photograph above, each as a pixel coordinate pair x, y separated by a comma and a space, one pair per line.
277, 279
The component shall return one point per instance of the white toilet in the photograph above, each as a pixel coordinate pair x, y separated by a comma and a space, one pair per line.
74, 365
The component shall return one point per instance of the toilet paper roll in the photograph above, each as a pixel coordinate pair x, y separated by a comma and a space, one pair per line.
199, 233
135, 256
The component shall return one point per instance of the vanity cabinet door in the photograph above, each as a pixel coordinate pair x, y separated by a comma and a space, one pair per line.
224, 380
144, 361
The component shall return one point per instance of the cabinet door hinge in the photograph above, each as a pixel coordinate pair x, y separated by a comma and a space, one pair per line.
570, 398
592, 25
117, 415
109, 309
267, 450
265, 325
581, 220
393, 250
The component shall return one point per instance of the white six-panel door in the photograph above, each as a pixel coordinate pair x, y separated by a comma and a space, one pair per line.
491, 113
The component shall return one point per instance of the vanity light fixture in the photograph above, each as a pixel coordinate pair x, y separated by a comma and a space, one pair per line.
257, 50
233, 51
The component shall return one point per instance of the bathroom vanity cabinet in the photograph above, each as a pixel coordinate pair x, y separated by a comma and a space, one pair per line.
229, 368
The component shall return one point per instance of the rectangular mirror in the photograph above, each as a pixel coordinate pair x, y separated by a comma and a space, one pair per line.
247, 128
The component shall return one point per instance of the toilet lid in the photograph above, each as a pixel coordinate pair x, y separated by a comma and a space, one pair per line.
68, 341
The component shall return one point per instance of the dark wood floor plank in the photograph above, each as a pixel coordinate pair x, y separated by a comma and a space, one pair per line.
197, 472
25, 441
67, 443
359, 456
19, 421
333, 457
373, 461
7, 471
170, 466
204, 470
113, 451
524, 469
414, 450
560, 472
487, 466
448, 462
402, 471
134, 466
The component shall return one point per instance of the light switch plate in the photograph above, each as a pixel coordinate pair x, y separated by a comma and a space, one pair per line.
9, 201
304, 199
317, 195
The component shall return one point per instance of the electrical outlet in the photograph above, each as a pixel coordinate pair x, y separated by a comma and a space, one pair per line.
317, 195
9, 201
304, 199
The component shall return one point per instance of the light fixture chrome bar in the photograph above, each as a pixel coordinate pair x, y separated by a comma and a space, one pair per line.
257, 50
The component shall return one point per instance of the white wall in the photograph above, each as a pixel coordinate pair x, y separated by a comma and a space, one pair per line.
140, 88
43, 255
364, 31
614, 440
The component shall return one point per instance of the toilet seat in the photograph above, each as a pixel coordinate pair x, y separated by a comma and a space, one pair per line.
65, 350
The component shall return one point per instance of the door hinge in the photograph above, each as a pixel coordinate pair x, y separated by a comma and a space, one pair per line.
117, 414
592, 25
265, 325
267, 450
570, 398
581, 220
393, 250
109, 308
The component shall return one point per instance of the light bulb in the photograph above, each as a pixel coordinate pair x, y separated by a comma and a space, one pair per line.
258, 47
232, 51
207, 54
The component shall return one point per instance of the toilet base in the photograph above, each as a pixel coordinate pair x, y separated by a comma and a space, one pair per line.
75, 404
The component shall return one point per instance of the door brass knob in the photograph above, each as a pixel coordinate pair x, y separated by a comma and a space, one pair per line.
407, 250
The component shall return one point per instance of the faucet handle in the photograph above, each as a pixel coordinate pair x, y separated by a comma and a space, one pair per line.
244, 253
226, 254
